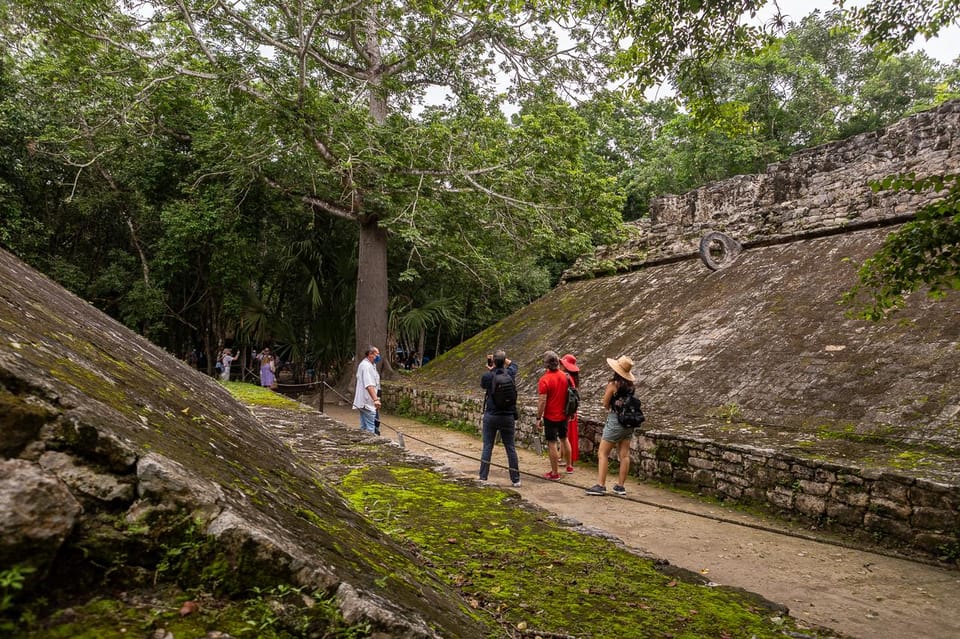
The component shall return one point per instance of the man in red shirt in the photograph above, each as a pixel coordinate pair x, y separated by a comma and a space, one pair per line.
552, 412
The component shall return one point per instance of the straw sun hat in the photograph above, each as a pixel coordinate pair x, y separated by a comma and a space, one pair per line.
622, 366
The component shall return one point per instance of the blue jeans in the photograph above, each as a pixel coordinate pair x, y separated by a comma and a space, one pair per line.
503, 424
368, 420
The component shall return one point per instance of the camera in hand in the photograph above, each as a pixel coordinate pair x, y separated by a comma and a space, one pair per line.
489, 360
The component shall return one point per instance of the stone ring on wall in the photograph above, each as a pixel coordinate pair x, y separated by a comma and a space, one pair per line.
719, 250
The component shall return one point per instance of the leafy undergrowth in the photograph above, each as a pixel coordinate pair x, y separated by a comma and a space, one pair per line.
166, 611
533, 574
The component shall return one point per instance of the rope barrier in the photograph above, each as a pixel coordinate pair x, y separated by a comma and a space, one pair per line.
676, 509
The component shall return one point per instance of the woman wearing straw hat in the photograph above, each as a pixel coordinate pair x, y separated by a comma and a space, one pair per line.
613, 433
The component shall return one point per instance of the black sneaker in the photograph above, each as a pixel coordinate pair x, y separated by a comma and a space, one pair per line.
619, 490
597, 490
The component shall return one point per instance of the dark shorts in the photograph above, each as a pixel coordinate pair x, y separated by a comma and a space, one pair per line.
552, 431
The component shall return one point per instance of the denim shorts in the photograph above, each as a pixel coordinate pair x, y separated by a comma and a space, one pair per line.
613, 431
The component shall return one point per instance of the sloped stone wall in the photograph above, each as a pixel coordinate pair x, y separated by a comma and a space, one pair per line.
110, 448
815, 191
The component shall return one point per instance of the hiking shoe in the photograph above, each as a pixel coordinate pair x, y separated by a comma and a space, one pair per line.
569, 470
619, 490
597, 490
551, 476
516, 484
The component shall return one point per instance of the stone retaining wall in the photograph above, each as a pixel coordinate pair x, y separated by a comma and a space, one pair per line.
884, 507
890, 508
440, 403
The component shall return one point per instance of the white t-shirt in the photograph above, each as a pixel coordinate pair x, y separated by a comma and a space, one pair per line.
367, 375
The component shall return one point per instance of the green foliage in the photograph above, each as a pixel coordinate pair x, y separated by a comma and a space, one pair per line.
286, 611
183, 556
817, 83
674, 39
205, 189
923, 253
11, 582
896, 24
207, 199
730, 413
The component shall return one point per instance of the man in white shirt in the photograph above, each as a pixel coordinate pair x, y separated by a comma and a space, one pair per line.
366, 398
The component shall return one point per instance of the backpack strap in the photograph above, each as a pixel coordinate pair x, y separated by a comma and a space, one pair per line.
493, 382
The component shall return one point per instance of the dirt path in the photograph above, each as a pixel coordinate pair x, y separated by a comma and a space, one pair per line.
862, 594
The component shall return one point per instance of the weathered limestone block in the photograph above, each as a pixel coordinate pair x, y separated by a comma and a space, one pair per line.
893, 528
20, 422
890, 508
728, 489
780, 497
763, 477
736, 479
810, 505
75, 433
845, 515
778, 464
648, 467
850, 495
700, 463
825, 475
704, 478
937, 545
801, 471
818, 489
86, 481
38, 514
162, 479
732, 457
935, 495
896, 490
935, 518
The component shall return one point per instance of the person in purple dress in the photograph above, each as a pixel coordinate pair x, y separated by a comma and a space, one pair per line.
268, 368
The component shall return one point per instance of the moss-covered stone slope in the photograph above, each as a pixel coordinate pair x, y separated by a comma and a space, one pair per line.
119, 463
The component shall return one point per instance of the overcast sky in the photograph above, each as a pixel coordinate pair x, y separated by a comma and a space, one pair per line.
945, 48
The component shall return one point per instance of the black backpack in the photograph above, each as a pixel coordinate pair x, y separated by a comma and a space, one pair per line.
627, 408
503, 391
573, 399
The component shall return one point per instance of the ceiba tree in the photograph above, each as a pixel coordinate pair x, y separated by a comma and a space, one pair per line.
387, 113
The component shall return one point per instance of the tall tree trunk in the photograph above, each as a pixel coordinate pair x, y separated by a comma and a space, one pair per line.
370, 314
371, 302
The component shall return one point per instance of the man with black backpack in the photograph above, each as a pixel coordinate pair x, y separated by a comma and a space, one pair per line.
499, 413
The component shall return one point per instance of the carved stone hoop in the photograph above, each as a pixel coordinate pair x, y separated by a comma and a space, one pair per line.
719, 250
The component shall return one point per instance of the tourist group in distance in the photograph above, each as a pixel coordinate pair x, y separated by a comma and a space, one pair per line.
558, 404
